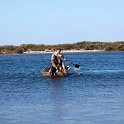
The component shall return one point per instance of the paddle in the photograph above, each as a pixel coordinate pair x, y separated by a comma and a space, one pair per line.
76, 65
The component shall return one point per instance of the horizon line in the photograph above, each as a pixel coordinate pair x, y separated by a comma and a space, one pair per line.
60, 43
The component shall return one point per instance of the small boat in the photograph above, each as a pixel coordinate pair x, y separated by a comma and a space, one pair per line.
60, 73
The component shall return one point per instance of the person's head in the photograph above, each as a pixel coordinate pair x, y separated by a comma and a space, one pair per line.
58, 51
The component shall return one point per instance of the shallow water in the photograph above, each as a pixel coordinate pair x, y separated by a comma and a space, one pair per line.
92, 94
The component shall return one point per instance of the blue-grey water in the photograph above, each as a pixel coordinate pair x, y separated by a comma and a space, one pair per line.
93, 94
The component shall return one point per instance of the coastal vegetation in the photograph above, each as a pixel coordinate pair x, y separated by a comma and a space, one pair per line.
84, 45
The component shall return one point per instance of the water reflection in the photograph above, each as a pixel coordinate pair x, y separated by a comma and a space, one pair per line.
58, 99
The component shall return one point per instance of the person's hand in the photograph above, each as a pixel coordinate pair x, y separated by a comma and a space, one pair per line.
56, 67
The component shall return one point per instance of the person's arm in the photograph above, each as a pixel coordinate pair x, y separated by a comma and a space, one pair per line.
53, 61
63, 58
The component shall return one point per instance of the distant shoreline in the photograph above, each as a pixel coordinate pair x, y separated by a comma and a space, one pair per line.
63, 51
67, 48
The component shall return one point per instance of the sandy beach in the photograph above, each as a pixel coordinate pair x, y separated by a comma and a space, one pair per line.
63, 51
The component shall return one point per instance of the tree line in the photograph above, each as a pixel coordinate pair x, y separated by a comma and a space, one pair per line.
85, 45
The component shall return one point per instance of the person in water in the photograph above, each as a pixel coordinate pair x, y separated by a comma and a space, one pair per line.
57, 62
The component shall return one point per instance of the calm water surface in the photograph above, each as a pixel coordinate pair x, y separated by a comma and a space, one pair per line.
93, 94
